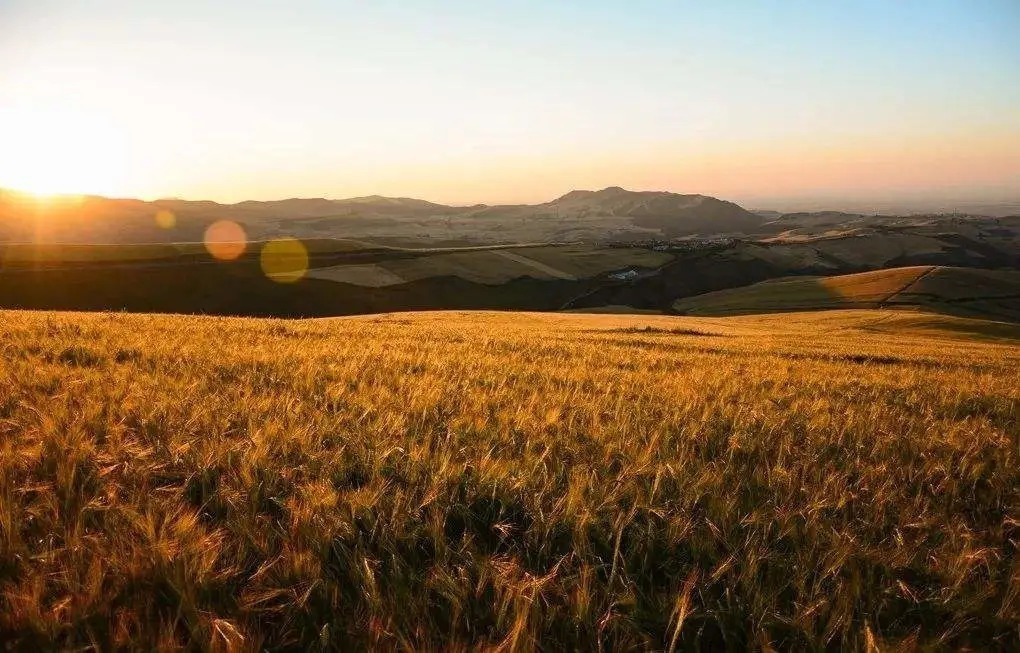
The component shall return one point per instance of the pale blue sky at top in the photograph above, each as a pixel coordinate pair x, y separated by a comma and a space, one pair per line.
509, 101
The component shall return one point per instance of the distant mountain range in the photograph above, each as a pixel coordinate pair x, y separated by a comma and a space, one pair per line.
609, 214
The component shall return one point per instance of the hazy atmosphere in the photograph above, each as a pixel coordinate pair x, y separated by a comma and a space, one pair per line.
769, 104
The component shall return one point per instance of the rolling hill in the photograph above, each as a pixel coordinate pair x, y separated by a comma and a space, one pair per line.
583, 250
669, 214
993, 294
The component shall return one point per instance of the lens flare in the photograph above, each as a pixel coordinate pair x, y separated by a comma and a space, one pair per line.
225, 240
284, 260
166, 219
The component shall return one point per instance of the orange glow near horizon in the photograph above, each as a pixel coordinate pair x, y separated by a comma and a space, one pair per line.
496, 103
57, 157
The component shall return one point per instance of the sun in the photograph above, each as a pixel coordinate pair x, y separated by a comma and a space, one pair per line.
54, 151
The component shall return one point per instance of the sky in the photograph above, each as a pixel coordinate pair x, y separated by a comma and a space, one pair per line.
767, 103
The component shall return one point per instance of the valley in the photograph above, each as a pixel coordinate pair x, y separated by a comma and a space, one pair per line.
584, 251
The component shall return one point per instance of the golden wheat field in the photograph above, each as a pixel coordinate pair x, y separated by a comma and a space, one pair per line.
508, 481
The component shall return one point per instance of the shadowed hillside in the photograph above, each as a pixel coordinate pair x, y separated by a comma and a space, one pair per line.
242, 288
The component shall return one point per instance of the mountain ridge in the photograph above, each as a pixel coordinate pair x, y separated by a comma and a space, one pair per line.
607, 192
609, 214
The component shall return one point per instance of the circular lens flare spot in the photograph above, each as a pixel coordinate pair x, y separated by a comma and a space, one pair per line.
166, 219
284, 260
225, 240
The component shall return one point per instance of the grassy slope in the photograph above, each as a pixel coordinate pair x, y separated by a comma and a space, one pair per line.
487, 266
450, 480
797, 293
953, 290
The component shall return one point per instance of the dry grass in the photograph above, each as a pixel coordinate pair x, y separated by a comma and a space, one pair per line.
506, 481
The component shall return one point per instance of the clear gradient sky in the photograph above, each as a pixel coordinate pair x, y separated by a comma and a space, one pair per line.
515, 101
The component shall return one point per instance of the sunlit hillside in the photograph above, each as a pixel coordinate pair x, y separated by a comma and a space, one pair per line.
990, 294
510, 481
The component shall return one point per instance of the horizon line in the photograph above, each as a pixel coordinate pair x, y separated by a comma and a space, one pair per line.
762, 204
